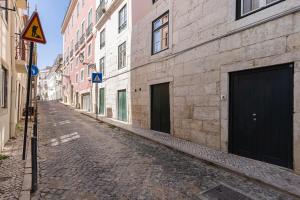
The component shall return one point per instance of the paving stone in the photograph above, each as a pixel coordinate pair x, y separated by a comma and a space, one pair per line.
12, 170
99, 162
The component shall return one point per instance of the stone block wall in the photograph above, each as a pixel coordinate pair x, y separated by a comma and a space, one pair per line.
206, 43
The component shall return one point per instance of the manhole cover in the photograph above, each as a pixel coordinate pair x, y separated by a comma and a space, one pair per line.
222, 192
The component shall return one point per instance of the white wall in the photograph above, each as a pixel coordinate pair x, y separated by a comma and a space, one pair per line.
115, 79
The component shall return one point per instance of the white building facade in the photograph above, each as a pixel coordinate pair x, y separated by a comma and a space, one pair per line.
13, 59
112, 58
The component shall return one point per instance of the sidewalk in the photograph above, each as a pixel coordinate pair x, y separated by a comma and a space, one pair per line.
12, 169
280, 178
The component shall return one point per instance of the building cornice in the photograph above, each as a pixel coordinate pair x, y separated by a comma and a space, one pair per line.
68, 15
111, 8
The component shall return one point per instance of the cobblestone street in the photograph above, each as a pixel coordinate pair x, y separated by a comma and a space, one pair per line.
80, 158
12, 169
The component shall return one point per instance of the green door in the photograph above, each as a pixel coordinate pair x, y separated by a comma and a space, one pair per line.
122, 105
101, 101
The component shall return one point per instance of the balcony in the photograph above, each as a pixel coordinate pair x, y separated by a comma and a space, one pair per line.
82, 39
20, 56
100, 10
89, 30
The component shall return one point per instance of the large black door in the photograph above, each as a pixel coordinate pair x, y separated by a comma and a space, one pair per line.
261, 114
160, 108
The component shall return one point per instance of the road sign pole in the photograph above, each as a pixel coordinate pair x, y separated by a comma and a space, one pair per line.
97, 96
27, 99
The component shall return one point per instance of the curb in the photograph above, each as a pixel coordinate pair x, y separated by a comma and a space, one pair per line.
26, 187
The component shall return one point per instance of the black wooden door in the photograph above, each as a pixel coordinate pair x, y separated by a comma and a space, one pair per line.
261, 114
160, 108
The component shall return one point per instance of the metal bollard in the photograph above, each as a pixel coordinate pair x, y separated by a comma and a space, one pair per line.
34, 180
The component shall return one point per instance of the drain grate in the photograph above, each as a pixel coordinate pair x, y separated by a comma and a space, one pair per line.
222, 192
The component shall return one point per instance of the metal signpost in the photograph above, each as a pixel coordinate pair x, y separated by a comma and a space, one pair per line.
33, 32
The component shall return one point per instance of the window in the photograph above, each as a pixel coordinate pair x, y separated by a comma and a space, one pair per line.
77, 36
82, 75
160, 34
122, 18
247, 7
82, 27
102, 38
77, 78
153, 1
82, 3
90, 17
89, 71
102, 65
122, 56
4, 4
89, 50
78, 10
3, 87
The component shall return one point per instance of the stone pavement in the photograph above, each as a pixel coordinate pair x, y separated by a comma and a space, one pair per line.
12, 169
275, 176
80, 158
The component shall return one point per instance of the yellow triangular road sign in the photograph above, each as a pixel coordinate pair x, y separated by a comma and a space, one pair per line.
33, 30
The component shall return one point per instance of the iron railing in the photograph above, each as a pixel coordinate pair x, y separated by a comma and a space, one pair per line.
20, 48
82, 39
76, 46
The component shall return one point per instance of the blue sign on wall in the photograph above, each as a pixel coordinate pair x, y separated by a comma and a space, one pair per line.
96, 77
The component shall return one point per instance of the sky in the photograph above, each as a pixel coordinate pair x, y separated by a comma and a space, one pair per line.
51, 13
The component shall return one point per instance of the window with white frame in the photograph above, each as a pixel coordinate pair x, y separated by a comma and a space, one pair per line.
122, 18
77, 78
102, 65
246, 7
77, 36
3, 87
122, 56
90, 17
81, 74
82, 27
78, 9
102, 38
160, 34
4, 4
89, 50
89, 71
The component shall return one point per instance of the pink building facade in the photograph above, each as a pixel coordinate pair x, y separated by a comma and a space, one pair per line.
78, 52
